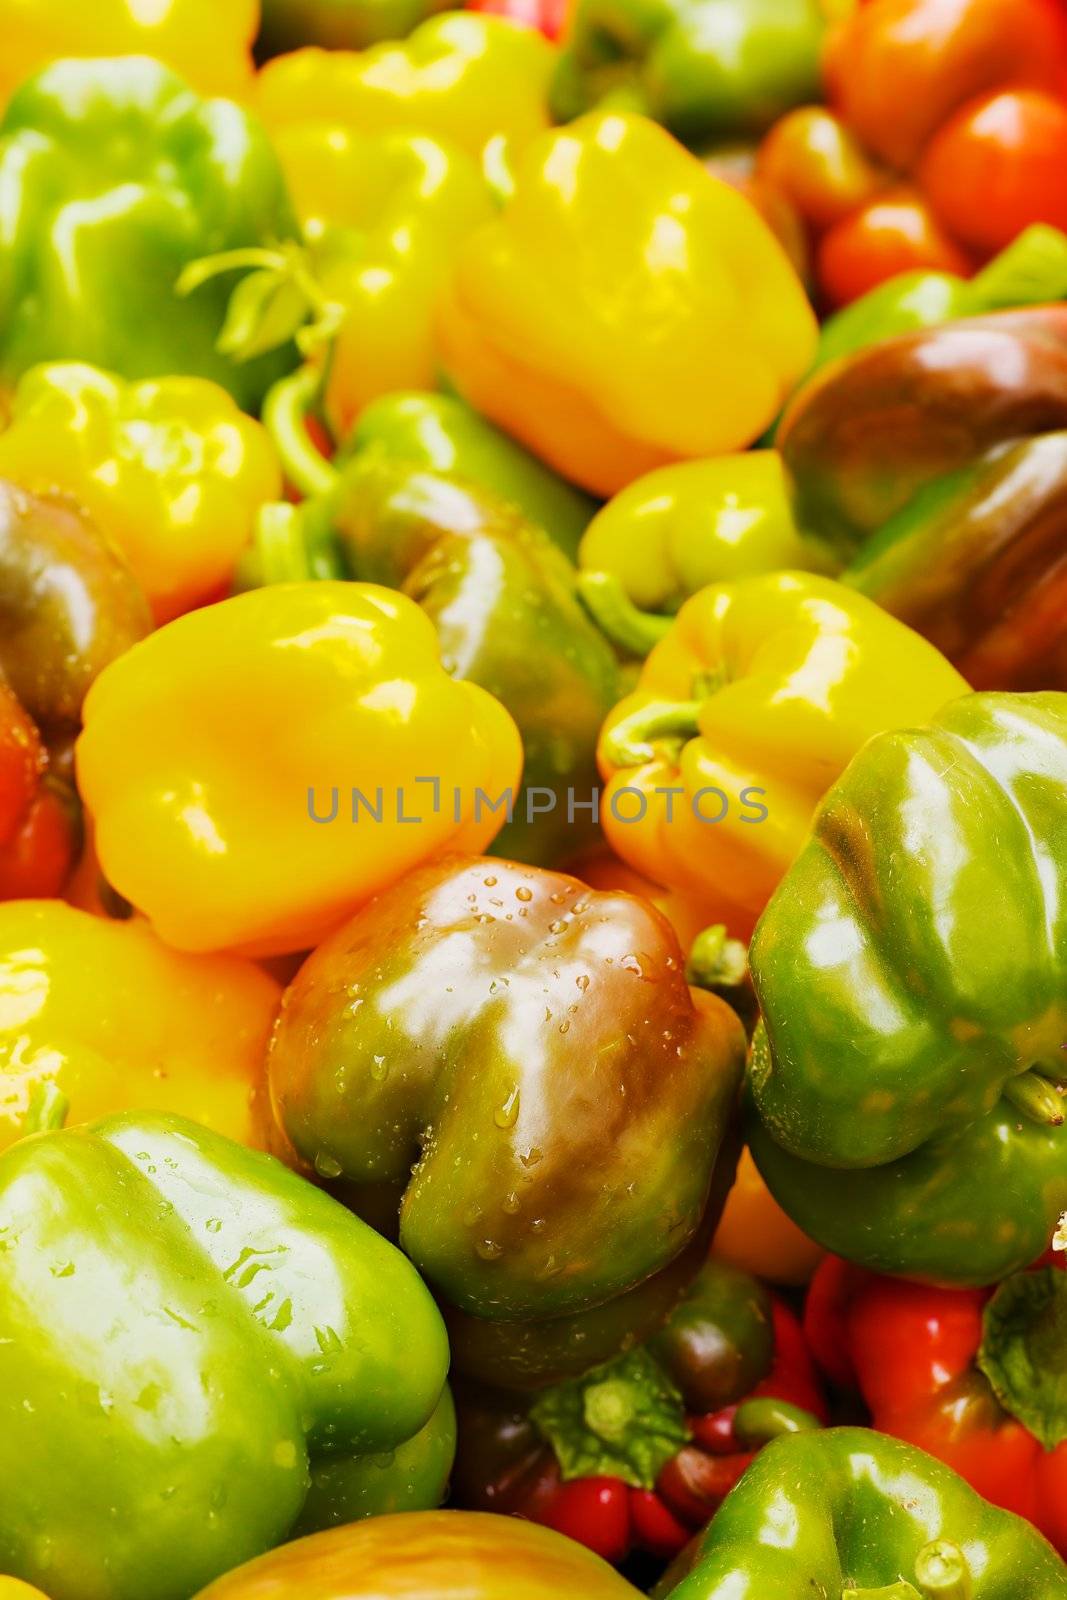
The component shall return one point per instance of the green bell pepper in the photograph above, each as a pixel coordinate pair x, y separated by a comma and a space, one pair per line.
503, 600
1031, 271
849, 1514
707, 69
412, 1477
442, 432
115, 176
339, 24
186, 1328
912, 974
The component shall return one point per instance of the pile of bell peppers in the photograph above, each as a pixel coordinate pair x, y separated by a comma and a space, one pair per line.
533, 800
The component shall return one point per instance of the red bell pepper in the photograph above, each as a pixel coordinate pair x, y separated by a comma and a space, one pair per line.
38, 829
975, 1377
943, 140
639, 1454
548, 16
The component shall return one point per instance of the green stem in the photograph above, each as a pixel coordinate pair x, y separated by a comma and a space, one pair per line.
715, 961
626, 625
629, 742
285, 414
942, 1573
759, 1421
47, 1109
1033, 1096
609, 1408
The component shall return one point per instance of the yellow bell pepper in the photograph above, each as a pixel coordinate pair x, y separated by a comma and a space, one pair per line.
461, 77
15, 1589
678, 529
626, 309
748, 709
98, 1017
755, 1234
257, 769
385, 216
169, 469
207, 43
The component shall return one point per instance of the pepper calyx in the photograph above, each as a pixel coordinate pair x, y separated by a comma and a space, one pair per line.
1022, 1354
624, 1420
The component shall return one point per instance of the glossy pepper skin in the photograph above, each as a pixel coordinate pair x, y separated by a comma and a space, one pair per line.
974, 563
671, 277
970, 1375
757, 697
385, 213
940, 142
215, 1327
869, 432
412, 1477
165, 1032
207, 44
680, 528
170, 470
121, 157
451, 1555
338, 24
718, 69
443, 433
230, 743
639, 1453
461, 78
906, 1110
561, 1052
68, 606
848, 1512
38, 818
502, 600
1032, 270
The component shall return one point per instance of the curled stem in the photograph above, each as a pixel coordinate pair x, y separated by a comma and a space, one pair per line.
285, 415
626, 625
629, 743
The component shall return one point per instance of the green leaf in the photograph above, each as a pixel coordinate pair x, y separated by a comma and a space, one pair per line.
624, 1420
1024, 1351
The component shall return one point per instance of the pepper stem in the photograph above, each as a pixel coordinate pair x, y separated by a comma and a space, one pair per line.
629, 742
47, 1109
716, 961
1035, 1097
626, 625
285, 414
608, 1409
759, 1421
284, 551
941, 1572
